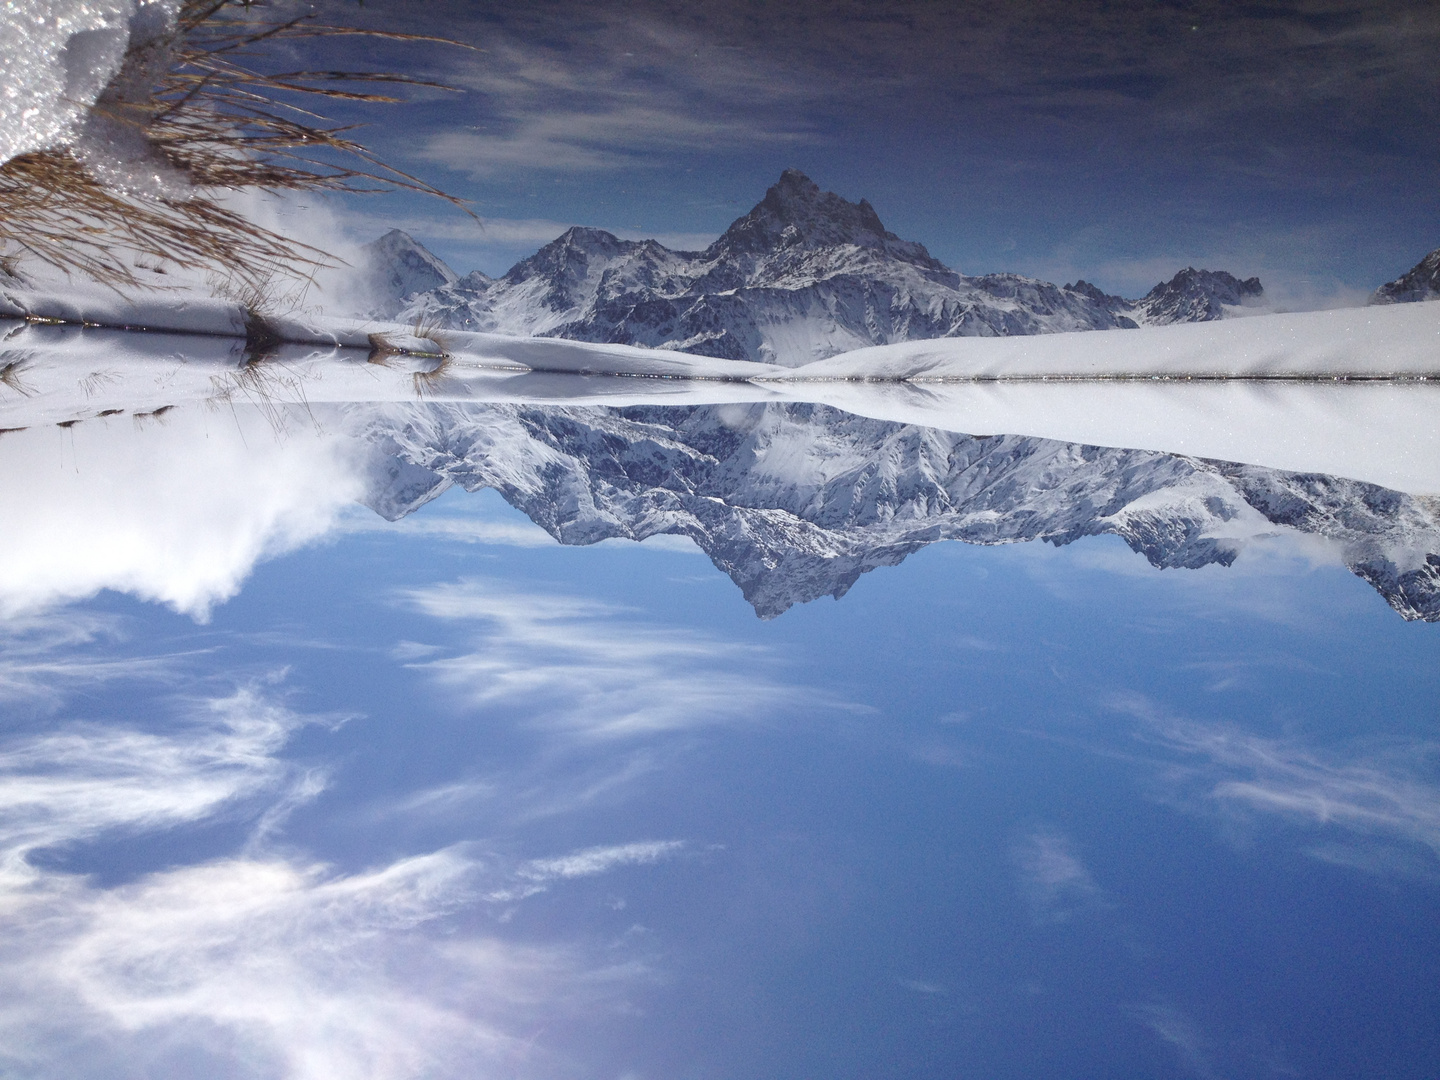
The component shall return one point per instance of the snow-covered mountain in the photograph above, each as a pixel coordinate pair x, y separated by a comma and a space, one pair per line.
796, 501
804, 275
396, 267
1420, 282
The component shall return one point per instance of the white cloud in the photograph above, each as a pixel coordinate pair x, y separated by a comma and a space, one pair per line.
41, 655
463, 529
258, 964
80, 781
1055, 882
1238, 247
587, 669
185, 506
495, 243
271, 968
597, 860
1388, 796
1182, 1034
536, 875
631, 89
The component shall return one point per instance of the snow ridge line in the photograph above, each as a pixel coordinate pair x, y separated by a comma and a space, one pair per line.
1318, 347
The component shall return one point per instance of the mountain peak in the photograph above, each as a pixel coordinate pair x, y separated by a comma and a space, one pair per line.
1421, 282
1199, 296
796, 213
396, 267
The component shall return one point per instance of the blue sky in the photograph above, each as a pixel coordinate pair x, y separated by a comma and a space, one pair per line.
1118, 141
484, 802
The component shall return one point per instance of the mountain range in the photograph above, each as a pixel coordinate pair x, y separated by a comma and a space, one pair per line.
797, 501
804, 275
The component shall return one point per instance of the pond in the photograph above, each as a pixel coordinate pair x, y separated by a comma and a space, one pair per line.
364, 737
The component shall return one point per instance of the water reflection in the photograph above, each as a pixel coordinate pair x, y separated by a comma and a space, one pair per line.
406, 806
795, 502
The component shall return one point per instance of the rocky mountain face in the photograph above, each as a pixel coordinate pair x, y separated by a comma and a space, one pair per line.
796, 501
804, 275
1421, 282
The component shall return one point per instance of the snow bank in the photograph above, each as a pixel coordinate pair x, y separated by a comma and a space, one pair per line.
1399, 340
1386, 433
58, 56
1382, 433
1373, 342
190, 314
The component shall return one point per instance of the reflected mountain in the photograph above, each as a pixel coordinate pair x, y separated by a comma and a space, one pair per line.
795, 501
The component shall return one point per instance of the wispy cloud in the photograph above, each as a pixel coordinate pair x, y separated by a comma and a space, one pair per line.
506, 238
83, 780
584, 668
1390, 795
258, 963
1180, 1031
536, 875
42, 656
277, 968
634, 89
463, 529
1055, 882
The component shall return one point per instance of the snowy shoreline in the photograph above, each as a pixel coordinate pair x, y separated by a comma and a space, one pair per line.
1399, 343
1352, 393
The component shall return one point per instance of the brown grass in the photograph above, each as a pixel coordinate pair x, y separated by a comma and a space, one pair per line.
11, 376
206, 110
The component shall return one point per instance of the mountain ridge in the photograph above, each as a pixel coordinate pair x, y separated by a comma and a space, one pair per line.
805, 274
797, 501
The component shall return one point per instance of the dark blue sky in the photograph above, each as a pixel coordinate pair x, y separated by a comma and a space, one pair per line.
1115, 141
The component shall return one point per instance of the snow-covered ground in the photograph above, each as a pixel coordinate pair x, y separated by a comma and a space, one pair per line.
1403, 339
1060, 386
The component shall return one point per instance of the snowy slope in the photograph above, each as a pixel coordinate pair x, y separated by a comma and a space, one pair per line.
804, 275
793, 498
395, 268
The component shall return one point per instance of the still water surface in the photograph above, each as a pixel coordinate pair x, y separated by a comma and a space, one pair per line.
294, 789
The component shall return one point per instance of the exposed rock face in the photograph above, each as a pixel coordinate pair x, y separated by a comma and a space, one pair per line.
1197, 296
1422, 282
804, 275
795, 502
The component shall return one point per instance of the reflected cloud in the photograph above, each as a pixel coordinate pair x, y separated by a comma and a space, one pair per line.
257, 963
1391, 796
1056, 883
177, 512
42, 655
590, 670
268, 967
536, 875
83, 780
462, 529
1180, 1031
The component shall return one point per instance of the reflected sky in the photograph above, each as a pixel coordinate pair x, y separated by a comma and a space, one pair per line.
441, 796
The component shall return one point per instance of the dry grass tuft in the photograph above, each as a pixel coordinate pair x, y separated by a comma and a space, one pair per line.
10, 375
430, 382
383, 348
208, 114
